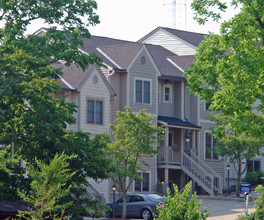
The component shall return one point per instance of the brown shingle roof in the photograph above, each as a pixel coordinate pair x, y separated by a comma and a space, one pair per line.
159, 55
72, 74
90, 45
190, 37
122, 54
183, 62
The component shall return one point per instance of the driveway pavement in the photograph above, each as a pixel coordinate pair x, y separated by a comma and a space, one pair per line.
223, 208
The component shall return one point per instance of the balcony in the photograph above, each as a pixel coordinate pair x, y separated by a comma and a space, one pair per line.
169, 156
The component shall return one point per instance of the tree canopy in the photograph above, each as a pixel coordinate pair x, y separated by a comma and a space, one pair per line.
33, 122
228, 68
228, 73
134, 136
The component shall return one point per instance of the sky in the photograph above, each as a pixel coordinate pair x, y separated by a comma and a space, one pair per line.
133, 19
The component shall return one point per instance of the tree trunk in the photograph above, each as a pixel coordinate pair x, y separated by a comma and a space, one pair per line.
124, 206
238, 179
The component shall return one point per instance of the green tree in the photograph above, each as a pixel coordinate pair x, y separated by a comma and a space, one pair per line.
228, 72
48, 186
134, 136
228, 68
33, 121
181, 206
235, 147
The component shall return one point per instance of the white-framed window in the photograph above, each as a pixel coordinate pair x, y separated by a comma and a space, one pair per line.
94, 111
144, 185
167, 93
142, 91
210, 143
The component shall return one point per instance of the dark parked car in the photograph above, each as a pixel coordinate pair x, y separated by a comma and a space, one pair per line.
138, 206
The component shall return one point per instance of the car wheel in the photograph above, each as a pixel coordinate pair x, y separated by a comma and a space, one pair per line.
146, 214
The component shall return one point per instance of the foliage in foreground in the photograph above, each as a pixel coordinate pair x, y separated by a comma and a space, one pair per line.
33, 123
181, 206
48, 187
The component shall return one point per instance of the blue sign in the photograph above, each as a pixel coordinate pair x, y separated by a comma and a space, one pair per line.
245, 188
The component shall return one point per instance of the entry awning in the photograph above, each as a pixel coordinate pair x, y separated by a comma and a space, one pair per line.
178, 123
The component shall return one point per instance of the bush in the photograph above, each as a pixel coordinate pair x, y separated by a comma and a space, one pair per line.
254, 177
181, 206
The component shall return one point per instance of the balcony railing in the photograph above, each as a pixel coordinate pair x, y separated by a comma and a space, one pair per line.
193, 166
169, 155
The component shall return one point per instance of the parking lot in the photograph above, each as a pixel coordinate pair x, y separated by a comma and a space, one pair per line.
225, 208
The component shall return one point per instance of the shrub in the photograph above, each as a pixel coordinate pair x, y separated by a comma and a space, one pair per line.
254, 177
181, 206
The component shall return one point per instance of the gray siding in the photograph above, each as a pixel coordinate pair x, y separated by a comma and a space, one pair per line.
145, 72
166, 108
177, 99
123, 90
115, 104
190, 106
99, 92
204, 114
217, 165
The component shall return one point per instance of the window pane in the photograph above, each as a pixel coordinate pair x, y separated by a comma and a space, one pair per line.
138, 184
256, 165
90, 112
99, 112
250, 166
208, 146
146, 92
215, 156
146, 182
167, 94
139, 91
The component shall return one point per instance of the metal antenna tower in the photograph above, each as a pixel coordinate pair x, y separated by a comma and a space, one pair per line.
175, 14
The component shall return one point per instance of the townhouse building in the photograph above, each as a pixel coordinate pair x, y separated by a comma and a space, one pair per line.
148, 74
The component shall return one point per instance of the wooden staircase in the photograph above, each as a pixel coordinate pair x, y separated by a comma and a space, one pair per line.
201, 173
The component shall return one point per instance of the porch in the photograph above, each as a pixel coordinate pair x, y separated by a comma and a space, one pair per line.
178, 161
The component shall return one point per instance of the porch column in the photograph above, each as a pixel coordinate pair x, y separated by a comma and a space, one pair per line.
166, 176
166, 137
194, 142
